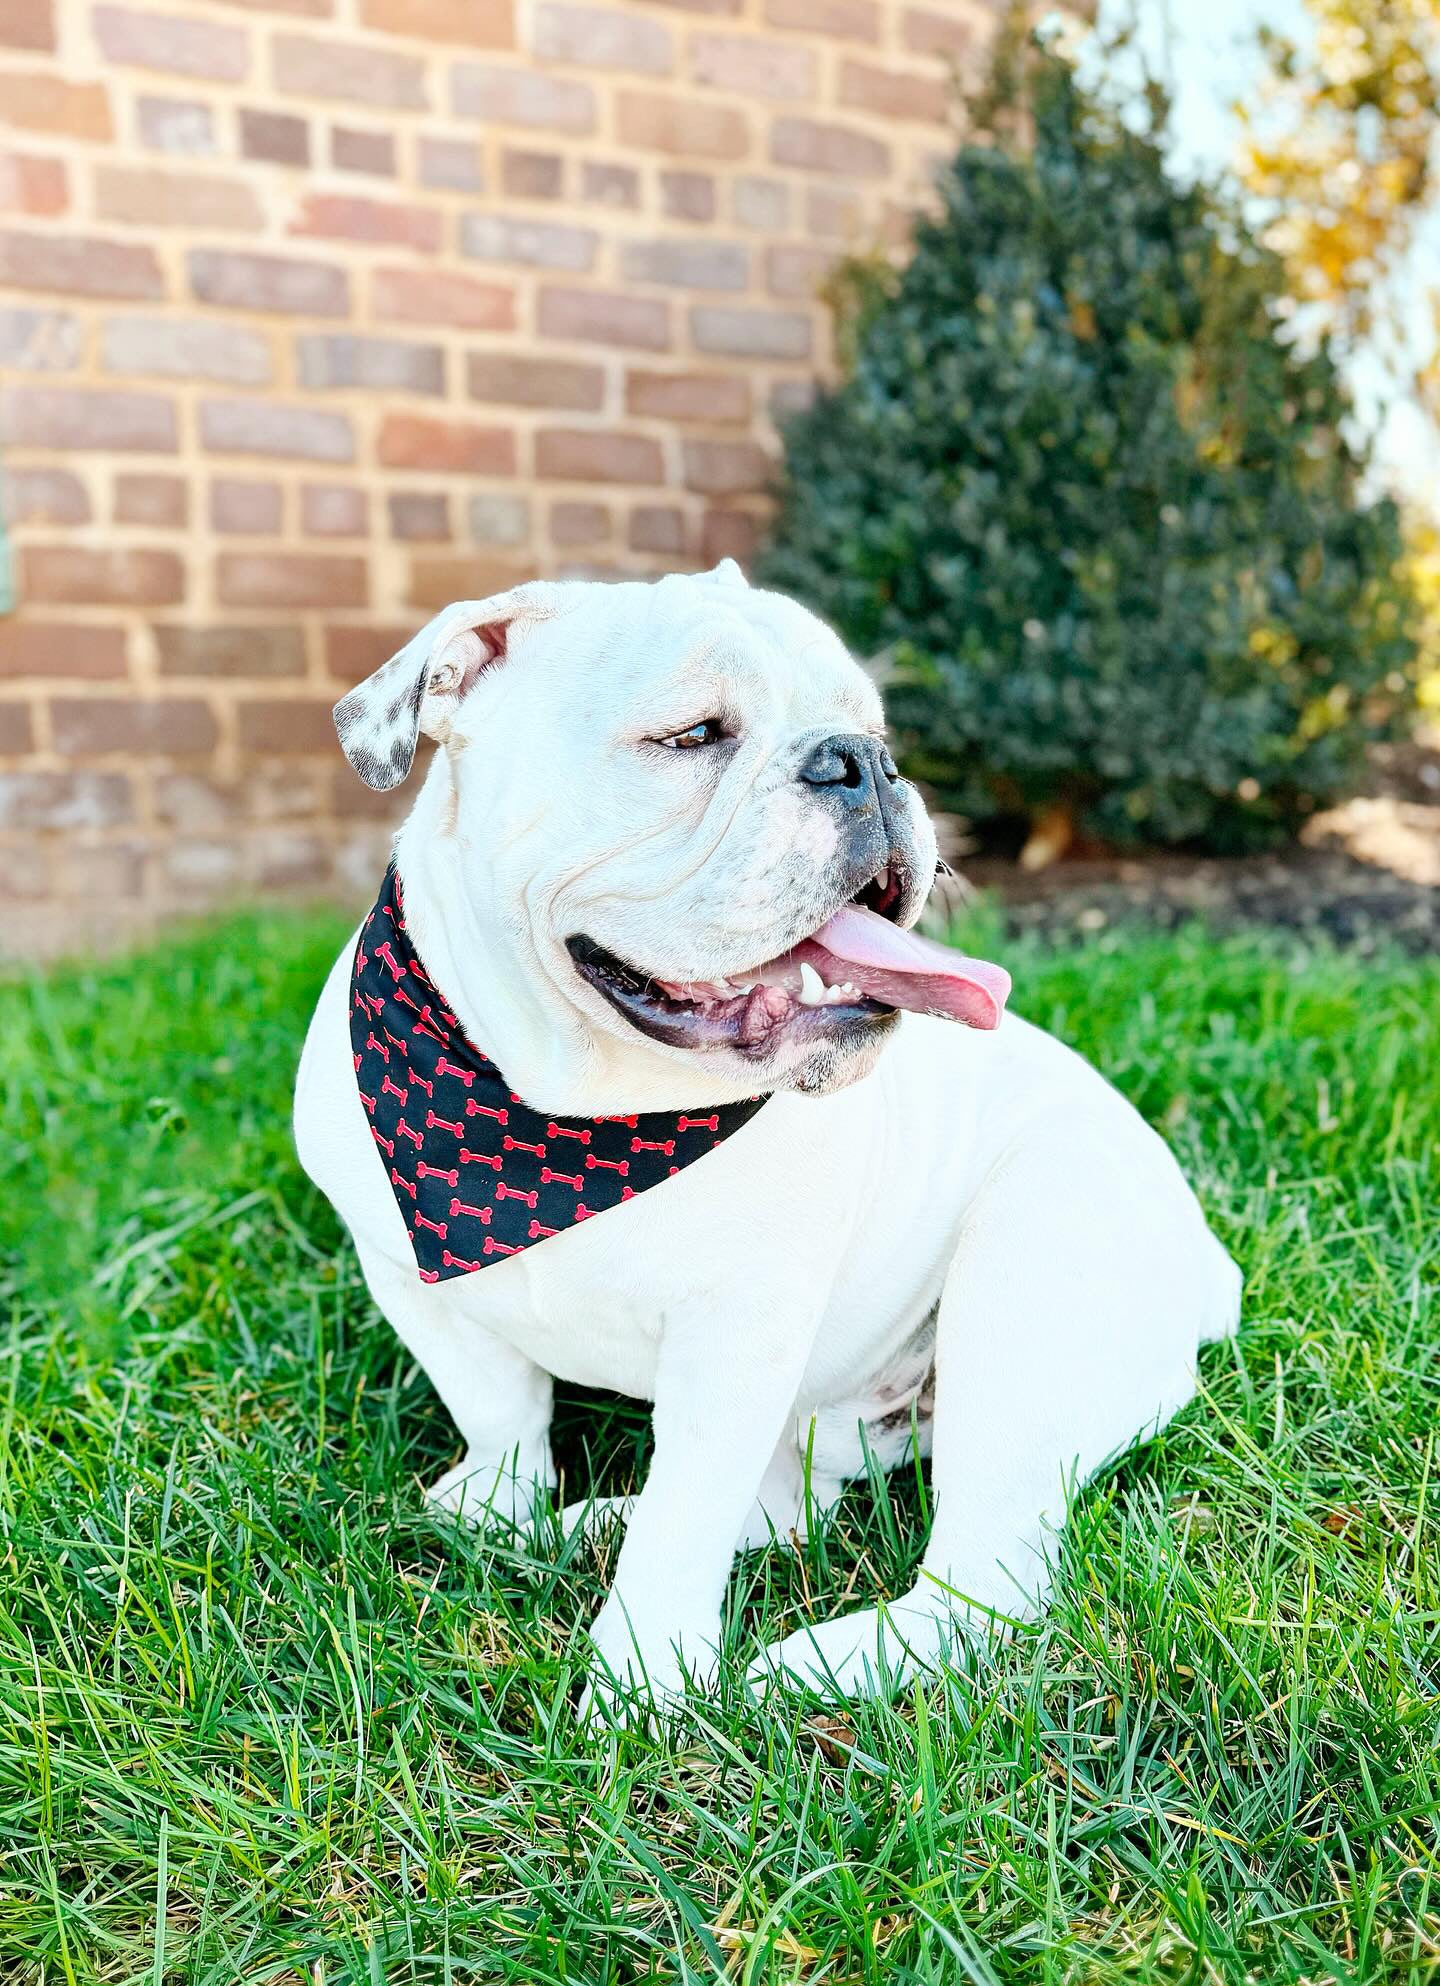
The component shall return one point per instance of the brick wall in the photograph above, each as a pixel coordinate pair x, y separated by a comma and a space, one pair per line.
316, 314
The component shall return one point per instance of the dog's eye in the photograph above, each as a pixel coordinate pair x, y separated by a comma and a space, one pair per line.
708, 731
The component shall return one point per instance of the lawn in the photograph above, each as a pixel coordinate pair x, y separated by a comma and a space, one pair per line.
261, 1719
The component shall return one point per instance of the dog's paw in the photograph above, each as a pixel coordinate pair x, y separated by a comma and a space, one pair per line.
874, 1651
593, 1513
640, 1678
486, 1493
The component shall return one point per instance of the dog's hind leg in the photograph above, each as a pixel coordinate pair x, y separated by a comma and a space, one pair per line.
498, 1399
1068, 1327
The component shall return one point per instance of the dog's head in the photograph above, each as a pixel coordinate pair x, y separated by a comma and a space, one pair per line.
667, 811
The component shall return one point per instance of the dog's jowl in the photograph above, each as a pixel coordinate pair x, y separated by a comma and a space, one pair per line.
639, 1027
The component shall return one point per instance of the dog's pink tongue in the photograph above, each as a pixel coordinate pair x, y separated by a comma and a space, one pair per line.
904, 970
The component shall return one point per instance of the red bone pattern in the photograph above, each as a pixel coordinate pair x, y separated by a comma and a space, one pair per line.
401, 1045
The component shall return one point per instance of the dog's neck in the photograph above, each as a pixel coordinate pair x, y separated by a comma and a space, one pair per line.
504, 988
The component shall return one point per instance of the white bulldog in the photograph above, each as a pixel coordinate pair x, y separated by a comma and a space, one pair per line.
663, 861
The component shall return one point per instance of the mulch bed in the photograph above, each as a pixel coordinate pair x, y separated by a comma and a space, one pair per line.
1366, 875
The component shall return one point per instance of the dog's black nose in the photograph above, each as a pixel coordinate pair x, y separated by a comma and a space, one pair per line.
851, 766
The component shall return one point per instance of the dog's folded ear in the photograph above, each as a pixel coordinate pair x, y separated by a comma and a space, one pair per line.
379, 722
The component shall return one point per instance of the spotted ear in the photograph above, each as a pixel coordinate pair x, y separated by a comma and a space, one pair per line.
379, 722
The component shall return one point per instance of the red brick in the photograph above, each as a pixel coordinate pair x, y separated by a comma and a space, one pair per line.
687, 396
185, 47
704, 6
760, 203
607, 185
251, 509
681, 125
346, 71
832, 214
376, 365
450, 163
595, 455
579, 523
17, 734
163, 501
142, 197
530, 243
532, 175
72, 576
478, 23
350, 799
80, 265
435, 583
32, 185
751, 67
514, 380
687, 263
726, 468
419, 515
169, 124
606, 38
37, 101
334, 510
410, 441
926, 33
815, 147
795, 269
499, 519
27, 24
276, 136
605, 317
363, 151
317, 9
39, 340
50, 648
291, 579
352, 653
241, 652
522, 96
235, 281
751, 334
285, 725
847, 20
90, 726
895, 93
65, 800
105, 872
185, 348
264, 427
44, 496
688, 196
433, 296
657, 528
728, 534
348, 217
83, 417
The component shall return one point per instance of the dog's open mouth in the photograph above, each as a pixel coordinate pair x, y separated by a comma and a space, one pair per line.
854, 972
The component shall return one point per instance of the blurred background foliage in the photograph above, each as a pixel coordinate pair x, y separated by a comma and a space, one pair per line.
1090, 484
1343, 149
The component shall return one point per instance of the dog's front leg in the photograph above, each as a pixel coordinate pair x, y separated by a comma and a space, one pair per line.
724, 1391
498, 1399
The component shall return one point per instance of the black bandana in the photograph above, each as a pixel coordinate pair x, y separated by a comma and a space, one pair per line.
476, 1173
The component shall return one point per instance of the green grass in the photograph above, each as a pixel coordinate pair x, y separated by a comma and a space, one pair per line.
261, 1720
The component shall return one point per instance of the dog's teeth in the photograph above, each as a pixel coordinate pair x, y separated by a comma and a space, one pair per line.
812, 986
